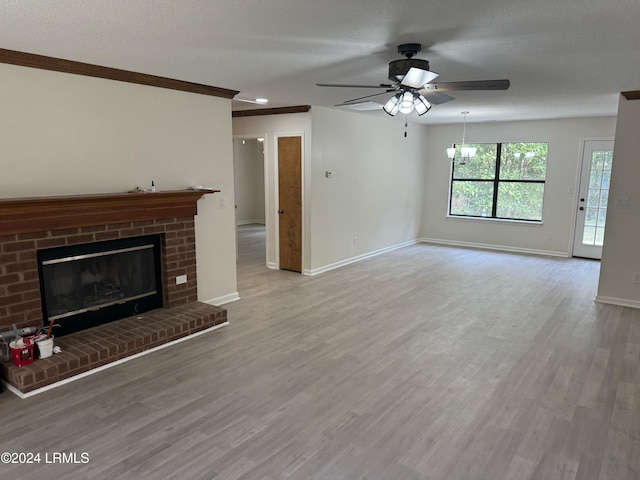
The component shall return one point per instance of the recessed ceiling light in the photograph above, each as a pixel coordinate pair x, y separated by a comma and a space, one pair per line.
260, 139
262, 101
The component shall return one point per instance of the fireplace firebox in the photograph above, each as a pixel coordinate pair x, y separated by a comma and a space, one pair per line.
90, 284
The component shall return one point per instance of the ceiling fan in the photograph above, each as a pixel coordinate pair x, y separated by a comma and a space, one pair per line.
411, 84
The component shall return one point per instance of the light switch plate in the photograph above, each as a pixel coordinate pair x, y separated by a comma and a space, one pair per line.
622, 202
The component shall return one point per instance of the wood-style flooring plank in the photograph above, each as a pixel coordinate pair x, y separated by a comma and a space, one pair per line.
425, 363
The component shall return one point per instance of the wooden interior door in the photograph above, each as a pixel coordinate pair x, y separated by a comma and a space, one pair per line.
290, 202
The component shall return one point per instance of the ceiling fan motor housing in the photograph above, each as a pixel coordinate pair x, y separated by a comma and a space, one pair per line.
409, 49
399, 68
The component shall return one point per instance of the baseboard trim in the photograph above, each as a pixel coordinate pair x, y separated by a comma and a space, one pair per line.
250, 222
272, 265
502, 248
22, 395
622, 302
218, 301
364, 256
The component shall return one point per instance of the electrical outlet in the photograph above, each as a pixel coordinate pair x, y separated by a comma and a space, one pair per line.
549, 236
180, 279
355, 240
223, 202
636, 277
328, 174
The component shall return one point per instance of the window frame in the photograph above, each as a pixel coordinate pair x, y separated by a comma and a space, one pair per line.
496, 181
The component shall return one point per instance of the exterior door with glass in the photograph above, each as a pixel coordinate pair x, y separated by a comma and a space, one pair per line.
593, 198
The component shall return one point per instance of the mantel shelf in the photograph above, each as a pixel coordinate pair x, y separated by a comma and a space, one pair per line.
37, 214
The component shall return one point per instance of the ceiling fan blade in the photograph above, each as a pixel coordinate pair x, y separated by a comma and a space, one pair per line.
502, 84
355, 100
417, 77
342, 85
362, 106
437, 98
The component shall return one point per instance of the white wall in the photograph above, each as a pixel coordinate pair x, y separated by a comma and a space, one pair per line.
65, 134
374, 200
620, 258
248, 166
269, 127
374, 195
565, 140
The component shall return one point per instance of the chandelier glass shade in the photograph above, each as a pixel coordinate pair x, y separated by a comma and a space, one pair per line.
466, 152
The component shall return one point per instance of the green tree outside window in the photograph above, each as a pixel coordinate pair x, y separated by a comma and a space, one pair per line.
503, 180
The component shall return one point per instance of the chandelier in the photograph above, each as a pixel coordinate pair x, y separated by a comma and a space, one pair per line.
406, 102
466, 153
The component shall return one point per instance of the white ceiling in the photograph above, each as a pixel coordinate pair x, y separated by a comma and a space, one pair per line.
566, 58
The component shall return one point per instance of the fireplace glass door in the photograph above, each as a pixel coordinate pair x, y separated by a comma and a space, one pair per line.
86, 285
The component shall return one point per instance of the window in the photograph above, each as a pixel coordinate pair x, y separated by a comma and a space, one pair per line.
504, 180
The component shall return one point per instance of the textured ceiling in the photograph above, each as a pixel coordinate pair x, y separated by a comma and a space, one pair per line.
564, 59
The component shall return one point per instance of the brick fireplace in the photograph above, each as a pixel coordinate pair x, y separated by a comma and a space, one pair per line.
29, 225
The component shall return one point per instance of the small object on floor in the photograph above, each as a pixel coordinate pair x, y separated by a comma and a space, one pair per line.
57, 349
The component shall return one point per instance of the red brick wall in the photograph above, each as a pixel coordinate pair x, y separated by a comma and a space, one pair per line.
20, 288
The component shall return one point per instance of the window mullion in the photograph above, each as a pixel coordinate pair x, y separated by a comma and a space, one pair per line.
496, 181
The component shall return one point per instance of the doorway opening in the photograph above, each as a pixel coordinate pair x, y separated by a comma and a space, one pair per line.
250, 198
281, 175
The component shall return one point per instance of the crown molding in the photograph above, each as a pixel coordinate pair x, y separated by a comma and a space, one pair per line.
31, 60
631, 95
270, 111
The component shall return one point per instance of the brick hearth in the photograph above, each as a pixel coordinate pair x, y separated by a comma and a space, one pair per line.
31, 224
94, 347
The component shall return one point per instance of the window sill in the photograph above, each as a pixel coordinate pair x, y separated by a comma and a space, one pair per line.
533, 223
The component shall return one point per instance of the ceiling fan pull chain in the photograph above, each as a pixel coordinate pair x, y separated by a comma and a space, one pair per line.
405, 125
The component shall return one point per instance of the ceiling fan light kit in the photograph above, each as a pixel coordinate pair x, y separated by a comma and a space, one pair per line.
406, 103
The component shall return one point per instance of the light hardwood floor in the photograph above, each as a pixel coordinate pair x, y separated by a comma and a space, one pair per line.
428, 362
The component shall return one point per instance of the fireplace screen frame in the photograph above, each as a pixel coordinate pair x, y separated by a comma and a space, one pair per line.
110, 311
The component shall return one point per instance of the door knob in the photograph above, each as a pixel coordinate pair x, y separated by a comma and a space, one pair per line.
280, 212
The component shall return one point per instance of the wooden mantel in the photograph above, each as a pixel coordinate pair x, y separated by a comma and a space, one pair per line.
37, 214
